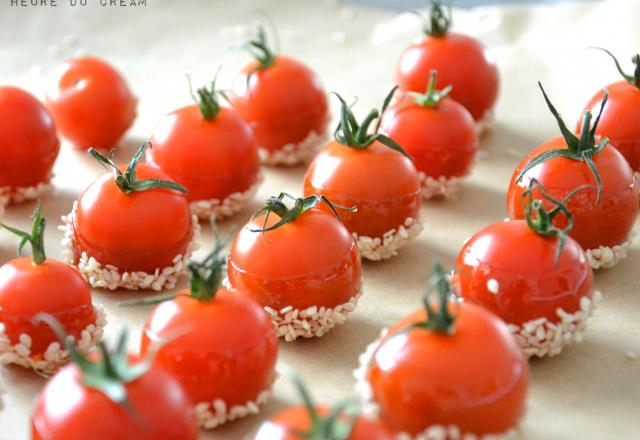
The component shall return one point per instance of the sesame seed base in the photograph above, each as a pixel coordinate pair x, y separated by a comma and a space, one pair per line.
606, 257
216, 413
433, 432
441, 187
293, 154
541, 337
377, 248
311, 322
229, 206
110, 277
24, 193
54, 356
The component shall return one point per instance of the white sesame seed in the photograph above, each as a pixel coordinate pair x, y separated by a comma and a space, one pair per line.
631, 355
293, 154
381, 249
227, 207
439, 188
606, 257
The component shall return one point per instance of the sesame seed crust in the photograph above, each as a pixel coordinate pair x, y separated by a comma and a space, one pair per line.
213, 414
54, 357
606, 257
109, 277
541, 337
377, 248
293, 154
442, 187
25, 193
228, 207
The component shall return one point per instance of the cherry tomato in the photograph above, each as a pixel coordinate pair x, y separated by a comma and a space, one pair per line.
286, 423
382, 183
224, 348
91, 103
158, 409
607, 223
282, 99
29, 145
207, 148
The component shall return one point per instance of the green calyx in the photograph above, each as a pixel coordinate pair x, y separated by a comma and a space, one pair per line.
127, 181
353, 135
439, 319
259, 48
582, 148
35, 238
631, 79
110, 372
439, 21
337, 425
432, 97
288, 215
540, 220
207, 99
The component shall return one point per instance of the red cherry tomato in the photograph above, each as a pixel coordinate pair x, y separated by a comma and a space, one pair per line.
284, 102
292, 265
29, 145
223, 349
461, 61
91, 103
476, 381
296, 419
607, 223
69, 410
382, 183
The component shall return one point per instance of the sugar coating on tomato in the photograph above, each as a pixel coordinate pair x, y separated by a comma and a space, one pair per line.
284, 262
436, 374
460, 60
605, 214
111, 395
219, 344
438, 133
90, 102
210, 150
285, 103
132, 231
29, 146
373, 173
619, 119
33, 285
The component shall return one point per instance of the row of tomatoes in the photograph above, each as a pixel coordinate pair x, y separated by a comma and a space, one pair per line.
487, 272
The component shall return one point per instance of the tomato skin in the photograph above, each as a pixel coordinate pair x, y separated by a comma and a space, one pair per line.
52, 287
382, 183
441, 140
29, 145
90, 102
211, 158
479, 382
67, 410
461, 61
127, 230
283, 103
293, 266
531, 284
296, 418
619, 119
608, 223
229, 351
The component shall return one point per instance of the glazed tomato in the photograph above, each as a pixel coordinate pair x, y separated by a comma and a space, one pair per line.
91, 103
210, 150
548, 271
117, 221
283, 261
618, 121
135, 401
373, 173
29, 145
285, 103
606, 213
438, 133
461, 61
36, 284
478, 383
221, 346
